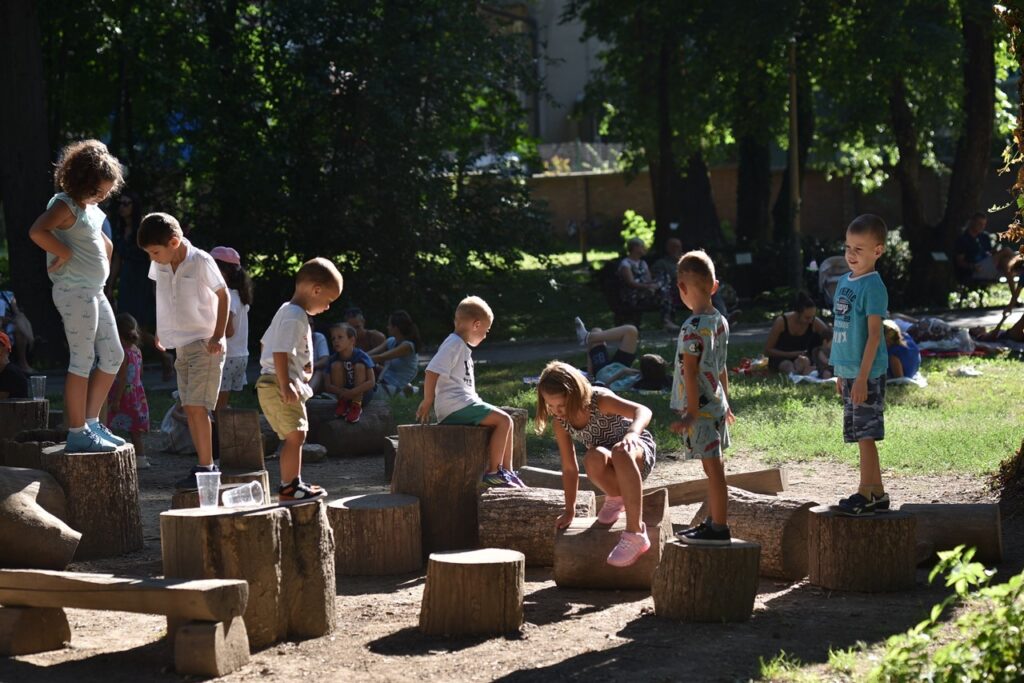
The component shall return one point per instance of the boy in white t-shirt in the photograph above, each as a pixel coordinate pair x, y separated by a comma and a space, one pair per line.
286, 366
191, 316
450, 389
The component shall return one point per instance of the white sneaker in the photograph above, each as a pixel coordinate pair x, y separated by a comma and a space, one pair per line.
581, 331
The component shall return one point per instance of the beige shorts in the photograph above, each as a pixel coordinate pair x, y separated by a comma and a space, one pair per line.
285, 418
199, 374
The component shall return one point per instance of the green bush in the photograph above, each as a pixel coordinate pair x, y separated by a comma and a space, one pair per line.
635, 225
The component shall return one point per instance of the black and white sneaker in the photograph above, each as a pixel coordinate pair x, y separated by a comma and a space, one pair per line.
681, 535
706, 534
858, 505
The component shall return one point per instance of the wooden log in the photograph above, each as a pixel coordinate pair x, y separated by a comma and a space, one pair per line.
520, 416
871, 554
524, 520
240, 440
778, 525
538, 477
211, 649
442, 465
56, 419
344, 439
202, 600
28, 630
281, 551
102, 491
33, 532
946, 525
189, 498
581, 550
706, 583
473, 592
19, 414
26, 448
390, 451
376, 534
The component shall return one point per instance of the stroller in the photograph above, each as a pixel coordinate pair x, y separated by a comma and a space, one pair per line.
830, 272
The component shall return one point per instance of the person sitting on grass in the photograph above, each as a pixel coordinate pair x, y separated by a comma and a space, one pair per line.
796, 342
350, 374
616, 371
398, 354
904, 356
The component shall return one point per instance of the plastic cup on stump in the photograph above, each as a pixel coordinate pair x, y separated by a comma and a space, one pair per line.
209, 487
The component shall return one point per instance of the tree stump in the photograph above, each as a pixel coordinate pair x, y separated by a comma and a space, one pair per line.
441, 465
189, 498
56, 419
28, 630
706, 583
524, 520
102, 492
270, 438
32, 531
376, 534
944, 526
19, 414
520, 416
239, 440
473, 592
581, 550
344, 439
286, 554
390, 451
778, 525
211, 648
26, 448
870, 554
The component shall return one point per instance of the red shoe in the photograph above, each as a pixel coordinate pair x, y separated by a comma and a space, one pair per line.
343, 407
354, 412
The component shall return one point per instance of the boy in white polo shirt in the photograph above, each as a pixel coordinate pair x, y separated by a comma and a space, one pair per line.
450, 388
191, 314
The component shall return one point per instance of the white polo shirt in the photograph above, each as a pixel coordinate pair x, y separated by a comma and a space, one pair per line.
186, 299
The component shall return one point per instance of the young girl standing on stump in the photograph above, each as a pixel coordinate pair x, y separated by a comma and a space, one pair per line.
236, 357
620, 451
71, 230
127, 408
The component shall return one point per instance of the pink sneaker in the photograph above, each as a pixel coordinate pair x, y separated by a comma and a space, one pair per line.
611, 510
629, 549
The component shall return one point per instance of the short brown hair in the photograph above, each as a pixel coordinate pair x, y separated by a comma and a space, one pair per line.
157, 229
699, 264
349, 331
320, 271
869, 224
474, 308
83, 165
561, 379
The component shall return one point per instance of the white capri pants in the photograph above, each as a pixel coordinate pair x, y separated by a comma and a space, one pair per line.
90, 329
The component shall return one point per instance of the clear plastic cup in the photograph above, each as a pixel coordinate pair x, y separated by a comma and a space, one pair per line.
37, 385
209, 487
247, 494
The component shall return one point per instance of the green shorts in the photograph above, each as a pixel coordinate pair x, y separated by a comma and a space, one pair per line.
470, 415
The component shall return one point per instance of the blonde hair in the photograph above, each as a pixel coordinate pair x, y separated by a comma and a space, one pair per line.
893, 333
320, 271
562, 379
698, 264
474, 308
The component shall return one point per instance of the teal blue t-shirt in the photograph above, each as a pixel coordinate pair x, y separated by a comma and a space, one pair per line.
856, 298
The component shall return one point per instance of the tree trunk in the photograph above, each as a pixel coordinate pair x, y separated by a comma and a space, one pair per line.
377, 534
663, 166
475, 592
701, 229
782, 213
239, 439
706, 583
753, 190
25, 169
524, 520
871, 554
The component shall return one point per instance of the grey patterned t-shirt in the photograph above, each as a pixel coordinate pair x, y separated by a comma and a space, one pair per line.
706, 336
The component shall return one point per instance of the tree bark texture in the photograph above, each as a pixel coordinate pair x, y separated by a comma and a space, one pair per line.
240, 440
376, 534
753, 190
18, 415
944, 526
870, 554
706, 583
524, 520
475, 592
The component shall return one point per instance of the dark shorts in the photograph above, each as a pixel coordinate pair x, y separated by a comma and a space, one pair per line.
865, 420
599, 357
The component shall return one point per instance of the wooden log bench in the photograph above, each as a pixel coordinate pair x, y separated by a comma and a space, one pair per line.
524, 520
944, 526
376, 534
19, 414
870, 554
344, 439
33, 533
473, 592
442, 465
581, 549
210, 640
706, 583
286, 552
778, 525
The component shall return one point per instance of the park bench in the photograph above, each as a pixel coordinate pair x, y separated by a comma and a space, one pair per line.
210, 640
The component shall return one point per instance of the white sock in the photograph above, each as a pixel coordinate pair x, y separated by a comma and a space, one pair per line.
77, 430
91, 420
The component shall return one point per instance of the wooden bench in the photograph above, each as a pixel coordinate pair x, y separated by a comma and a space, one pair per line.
211, 642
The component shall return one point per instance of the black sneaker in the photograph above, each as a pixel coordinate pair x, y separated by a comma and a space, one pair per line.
189, 482
299, 490
858, 505
682, 535
705, 534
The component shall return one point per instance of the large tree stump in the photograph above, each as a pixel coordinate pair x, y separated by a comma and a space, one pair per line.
26, 448
524, 520
28, 630
581, 550
376, 534
390, 451
778, 525
519, 416
944, 526
442, 465
33, 533
19, 414
473, 592
871, 554
706, 583
343, 439
211, 648
102, 491
239, 439
286, 554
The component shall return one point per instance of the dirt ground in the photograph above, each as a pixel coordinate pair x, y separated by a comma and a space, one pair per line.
568, 635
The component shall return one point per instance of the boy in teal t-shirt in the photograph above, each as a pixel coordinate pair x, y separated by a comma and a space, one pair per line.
860, 359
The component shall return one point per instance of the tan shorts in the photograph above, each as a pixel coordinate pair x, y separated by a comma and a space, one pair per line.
199, 374
285, 418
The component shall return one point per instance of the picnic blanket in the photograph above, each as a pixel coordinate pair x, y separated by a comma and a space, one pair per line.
918, 379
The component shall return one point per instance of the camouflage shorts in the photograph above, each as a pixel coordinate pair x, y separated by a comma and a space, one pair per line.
865, 420
706, 438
